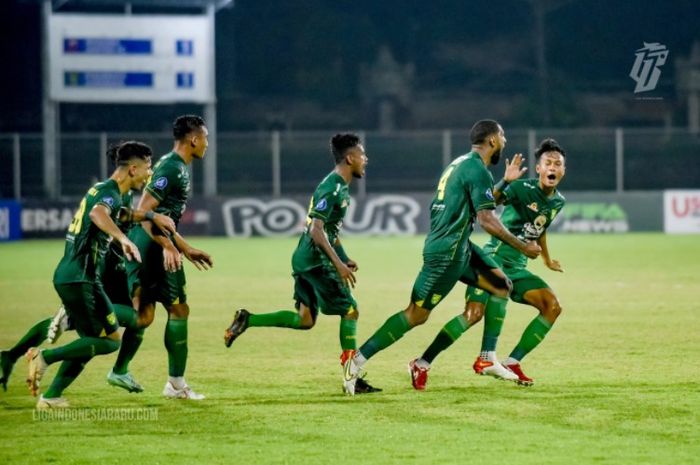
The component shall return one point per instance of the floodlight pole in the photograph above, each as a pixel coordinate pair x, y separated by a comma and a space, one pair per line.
210, 180
50, 112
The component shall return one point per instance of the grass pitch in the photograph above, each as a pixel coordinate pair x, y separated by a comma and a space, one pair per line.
617, 379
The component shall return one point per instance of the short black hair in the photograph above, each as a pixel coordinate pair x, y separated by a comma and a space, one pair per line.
122, 153
482, 129
340, 143
185, 124
549, 145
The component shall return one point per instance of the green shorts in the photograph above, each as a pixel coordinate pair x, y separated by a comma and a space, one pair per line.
321, 289
90, 310
157, 285
523, 281
114, 281
440, 274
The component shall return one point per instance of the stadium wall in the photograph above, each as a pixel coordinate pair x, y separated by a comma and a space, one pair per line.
380, 214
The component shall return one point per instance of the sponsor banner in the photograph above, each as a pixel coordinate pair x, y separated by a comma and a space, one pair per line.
10, 229
389, 214
682, 211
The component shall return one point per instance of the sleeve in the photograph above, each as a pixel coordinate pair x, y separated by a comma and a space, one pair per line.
324, 200
510, 193
110, 199
481, 191
161, 183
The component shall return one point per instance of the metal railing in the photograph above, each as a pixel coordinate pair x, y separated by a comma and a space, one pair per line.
280, 163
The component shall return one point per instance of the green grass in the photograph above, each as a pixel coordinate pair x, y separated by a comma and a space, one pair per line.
617, 378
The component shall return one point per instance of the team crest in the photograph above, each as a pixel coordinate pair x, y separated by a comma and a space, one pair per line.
533, 207
161, 182
321, 205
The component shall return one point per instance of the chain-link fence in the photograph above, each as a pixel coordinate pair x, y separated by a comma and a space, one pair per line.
285, 163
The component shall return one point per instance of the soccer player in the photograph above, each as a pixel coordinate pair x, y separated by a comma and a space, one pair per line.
77, 278
113, 278
160, 278
464, 193
323, 273
531, 206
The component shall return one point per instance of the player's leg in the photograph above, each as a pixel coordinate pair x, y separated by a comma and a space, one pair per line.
143, 282
533, 293
304, 317
435, 280
91, 313
34, 337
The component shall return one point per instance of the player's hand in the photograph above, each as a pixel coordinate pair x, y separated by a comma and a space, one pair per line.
554, 265
514, 168
352, 264
131, 252
346, 274
172, 260
532, 249
164, 223
199, 258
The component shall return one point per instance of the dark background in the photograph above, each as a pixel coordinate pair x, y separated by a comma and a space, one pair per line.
304, 64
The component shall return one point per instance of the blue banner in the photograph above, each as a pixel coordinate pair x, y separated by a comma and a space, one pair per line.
107, 46
111, 79
10, 220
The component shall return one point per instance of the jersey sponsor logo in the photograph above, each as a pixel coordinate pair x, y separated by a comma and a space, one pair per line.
321, 205
489, 194
435, 299
108, 200
161, 182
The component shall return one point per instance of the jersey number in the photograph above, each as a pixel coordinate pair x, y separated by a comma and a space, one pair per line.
443, 183
77, 222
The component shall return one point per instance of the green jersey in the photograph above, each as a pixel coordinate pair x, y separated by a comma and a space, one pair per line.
86, 244
465, 187
527, 214
170, 184
114, 256
329, 203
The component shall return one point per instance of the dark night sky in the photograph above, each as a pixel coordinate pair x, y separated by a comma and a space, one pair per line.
286, 49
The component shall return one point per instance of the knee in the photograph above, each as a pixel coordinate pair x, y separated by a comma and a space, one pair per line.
416, 315
145, 319
307, 322
179, 311
551, 309
113, 343
474, 312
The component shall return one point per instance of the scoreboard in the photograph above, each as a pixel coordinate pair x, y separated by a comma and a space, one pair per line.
131, 59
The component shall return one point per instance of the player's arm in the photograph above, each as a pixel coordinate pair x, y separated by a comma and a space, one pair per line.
492, 225
321, 241
171, 255
199, 258
99, 215
513, 171
549, 263
338, 247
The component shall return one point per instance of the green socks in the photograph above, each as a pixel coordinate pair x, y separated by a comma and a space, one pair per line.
81, 349
131, 341
34, 337
348, 334
532, 336
391, 331
126, 315
176, 344
281, 319
494, 316
67, 372
447, 335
